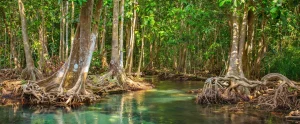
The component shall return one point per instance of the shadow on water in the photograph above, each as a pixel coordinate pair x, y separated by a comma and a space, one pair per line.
167, 103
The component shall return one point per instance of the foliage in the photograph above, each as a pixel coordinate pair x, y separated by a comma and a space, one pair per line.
286, 62
201, 28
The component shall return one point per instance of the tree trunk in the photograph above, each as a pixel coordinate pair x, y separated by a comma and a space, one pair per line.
175, 59
68, 85
30, 72
242, 41
151, 55
41, 61
233, 60
141, 54
129, 59
67, 30
102, 47
115, 38
179, 58
123, 82
72, 18
121, 34
12, 41
14, 52
43, 52
128, 37
248, 56
262, 48
62, 33
5, 47
184, 58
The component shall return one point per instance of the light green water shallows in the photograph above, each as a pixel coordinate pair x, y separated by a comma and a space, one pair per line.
166, 104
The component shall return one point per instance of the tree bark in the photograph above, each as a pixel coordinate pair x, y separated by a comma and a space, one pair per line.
30, 72
121, 34
43, 52
115, 36
129, 59
248, 56
12, 41
141, 54
233, 60
262, 48
102, 47
128, 43
70, 81
122, 83
41, 62
67, 30
151, 56
62, 33
242, 40
72, 18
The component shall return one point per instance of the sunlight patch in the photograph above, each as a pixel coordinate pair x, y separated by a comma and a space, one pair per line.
142, 108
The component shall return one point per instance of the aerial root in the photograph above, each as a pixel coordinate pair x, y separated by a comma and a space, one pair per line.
10, 92
33, 94
274, 91
281, 97
31, 74
105, 84
50, 91
120, 83
214, 90
9, 73
132, 85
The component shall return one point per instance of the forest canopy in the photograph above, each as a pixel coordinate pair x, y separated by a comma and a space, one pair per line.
188, 36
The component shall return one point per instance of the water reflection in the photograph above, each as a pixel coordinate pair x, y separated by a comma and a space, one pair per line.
167, 103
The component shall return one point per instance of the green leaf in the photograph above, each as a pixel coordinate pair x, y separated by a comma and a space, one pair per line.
274, 12
222, 2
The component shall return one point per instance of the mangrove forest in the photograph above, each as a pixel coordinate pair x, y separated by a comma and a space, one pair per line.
149, 61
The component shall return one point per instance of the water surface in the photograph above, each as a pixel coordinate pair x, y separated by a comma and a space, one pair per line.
166, 104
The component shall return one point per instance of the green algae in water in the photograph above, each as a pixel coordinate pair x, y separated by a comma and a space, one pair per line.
166, 104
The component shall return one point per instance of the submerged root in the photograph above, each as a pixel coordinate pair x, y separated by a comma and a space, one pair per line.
282, 96
274, 91
34, 94
118, 84
214, 90
10, 92
132, 85
55, 91
115, 81
31, 74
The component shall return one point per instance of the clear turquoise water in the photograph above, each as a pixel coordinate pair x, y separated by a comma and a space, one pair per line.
166, 104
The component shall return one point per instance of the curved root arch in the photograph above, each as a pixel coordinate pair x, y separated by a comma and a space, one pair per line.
31, 74
34, 94
51, 91
272, 91
119, 83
